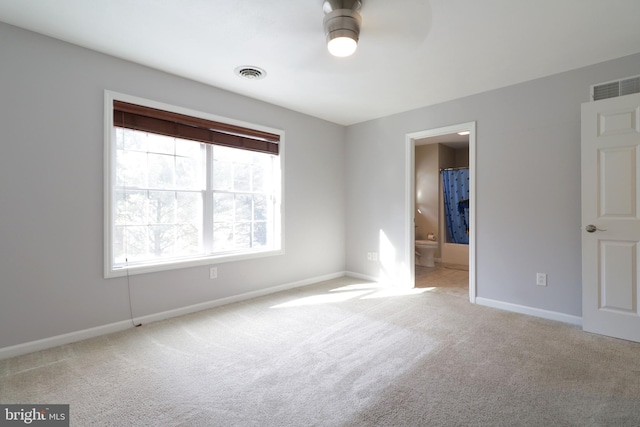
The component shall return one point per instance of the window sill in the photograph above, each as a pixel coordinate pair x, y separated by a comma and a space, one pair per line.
186, 263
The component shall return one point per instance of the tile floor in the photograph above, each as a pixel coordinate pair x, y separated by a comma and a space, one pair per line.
453, 281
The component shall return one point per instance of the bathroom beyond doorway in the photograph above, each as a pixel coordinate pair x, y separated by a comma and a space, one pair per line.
432, 136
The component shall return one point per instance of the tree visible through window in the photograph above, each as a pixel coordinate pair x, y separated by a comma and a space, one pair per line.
175, 198
159, 196
242, 195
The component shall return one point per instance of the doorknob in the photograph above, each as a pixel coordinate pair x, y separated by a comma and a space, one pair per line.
592, 228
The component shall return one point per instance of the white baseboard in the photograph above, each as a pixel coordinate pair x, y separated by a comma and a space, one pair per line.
30, 347
382, 281
235, 298
362, 276
523, 309
43, 344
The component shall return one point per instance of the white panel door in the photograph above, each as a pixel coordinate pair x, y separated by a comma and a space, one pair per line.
611, 216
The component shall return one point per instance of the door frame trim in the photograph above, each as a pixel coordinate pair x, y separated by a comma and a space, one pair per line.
410, 148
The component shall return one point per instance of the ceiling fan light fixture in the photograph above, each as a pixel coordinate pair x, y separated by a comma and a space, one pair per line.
342, 46
342, 26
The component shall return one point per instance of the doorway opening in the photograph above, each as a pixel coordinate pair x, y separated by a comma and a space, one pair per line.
425, 207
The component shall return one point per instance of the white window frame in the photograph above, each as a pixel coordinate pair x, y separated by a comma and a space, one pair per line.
109, 187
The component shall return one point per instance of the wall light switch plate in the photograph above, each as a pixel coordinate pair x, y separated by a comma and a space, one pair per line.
213, 272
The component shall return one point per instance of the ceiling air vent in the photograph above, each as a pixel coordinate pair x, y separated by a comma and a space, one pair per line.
250, 72
615, 88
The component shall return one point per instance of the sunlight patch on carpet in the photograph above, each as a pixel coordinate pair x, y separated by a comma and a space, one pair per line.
321, 299
345, 293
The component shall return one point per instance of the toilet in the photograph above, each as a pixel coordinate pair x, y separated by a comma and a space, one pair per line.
425, 250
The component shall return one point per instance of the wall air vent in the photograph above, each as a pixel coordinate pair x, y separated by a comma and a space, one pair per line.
615, 88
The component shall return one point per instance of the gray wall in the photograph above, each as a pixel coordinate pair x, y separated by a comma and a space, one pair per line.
427, 194
51, 178
528, 184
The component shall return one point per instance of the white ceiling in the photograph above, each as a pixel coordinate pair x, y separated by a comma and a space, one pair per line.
412, 53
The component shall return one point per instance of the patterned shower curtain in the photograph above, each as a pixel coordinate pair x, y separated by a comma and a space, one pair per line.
455, 185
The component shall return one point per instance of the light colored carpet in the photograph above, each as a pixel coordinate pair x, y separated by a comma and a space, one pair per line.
339, 353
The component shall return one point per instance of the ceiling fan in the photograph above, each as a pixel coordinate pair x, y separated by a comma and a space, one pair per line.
386, 25
342, 26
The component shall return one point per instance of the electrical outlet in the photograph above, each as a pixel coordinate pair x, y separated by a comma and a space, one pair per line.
213, 272
541, 279
374, 256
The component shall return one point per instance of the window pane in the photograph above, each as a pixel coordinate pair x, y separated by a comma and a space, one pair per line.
131, 169
189, 173
227, 154
170, 224
186, 148
131, 243
162, 207
222, 207
243, 207
162, 240
189, 208
222, 236
160, 144
241, 177
131, 140
161, 171
119, 245
131, 207
260, 208
188, 239
258, 178
189, 220
242, 237
222, 175
259, 234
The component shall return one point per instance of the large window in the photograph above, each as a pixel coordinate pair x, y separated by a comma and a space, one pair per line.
184, 188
